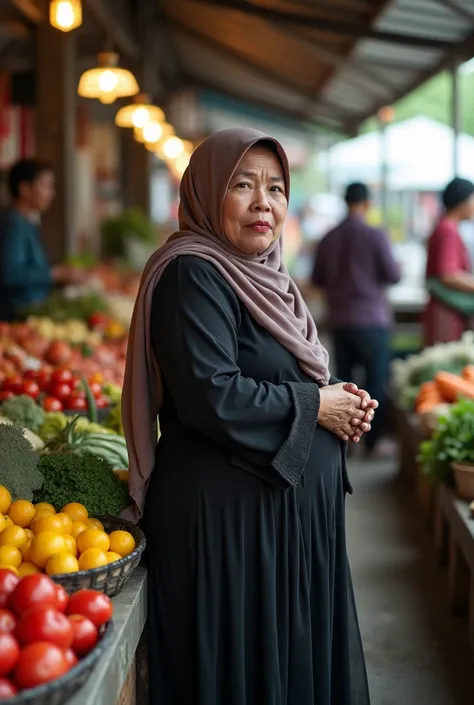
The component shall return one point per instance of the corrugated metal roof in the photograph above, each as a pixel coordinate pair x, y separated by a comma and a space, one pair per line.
336, 60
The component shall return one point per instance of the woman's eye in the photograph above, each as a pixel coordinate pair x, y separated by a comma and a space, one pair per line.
276, 188
243, 184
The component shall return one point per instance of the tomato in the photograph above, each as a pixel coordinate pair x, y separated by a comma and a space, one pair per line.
75, 403
6, 394
7, 689
58, 353
85, 634
92, 604
8, 621
43, 379
62, 598
30, 388
39, 663
13, 383
43, 623
8, 583
34, 590
61, 390
61, 376
96, 389
52, 404
9, 653
102, 402
71, 658
30, 374
97, 320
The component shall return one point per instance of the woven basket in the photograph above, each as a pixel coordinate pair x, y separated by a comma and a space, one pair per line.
112, 577
59, 691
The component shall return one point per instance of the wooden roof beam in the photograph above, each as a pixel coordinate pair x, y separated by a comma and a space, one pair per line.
29, 9
340, 27
115, 28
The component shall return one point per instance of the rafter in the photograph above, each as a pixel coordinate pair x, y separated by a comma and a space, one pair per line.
29, 9
116, 29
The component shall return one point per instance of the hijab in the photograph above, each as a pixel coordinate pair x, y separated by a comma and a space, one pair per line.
260, 281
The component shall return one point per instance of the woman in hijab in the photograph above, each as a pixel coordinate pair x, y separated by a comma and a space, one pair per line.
250, 593
448, 269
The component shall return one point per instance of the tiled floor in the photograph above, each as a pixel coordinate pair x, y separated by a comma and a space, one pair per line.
416, 654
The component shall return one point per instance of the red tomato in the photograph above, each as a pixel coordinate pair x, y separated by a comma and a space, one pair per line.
63, 598
102, 402
40, 663
62, 375
75, 403
58, 352
71, 658
32, 590
43, 379
43, 623
8, 583
96, 389
97, 320
52, 404
9, 653
61, 391
7, 689
91, 604
30, 388
30, 374
8, 621
86, 634
13, 383
4, 395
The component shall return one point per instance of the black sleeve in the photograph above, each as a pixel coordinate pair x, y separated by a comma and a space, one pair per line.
195, 319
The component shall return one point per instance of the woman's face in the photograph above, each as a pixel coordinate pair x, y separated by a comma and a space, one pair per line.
255, 205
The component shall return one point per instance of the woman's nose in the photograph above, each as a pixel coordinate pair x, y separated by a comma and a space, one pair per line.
261, 202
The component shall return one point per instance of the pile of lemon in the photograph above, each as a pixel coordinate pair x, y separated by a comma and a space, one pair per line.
37, 539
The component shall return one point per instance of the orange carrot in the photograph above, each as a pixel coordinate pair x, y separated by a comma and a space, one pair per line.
452, 387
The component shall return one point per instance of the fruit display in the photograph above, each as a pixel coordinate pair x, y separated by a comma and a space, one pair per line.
35, 538
44, 633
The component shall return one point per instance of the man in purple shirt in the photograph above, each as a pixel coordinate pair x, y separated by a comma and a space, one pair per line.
354, 265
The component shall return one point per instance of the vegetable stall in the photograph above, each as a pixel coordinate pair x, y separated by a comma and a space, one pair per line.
432, 396
63, 485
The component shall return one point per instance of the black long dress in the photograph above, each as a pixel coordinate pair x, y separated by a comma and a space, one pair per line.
250, 594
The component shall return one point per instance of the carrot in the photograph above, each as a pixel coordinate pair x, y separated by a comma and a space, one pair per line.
453, 386
427, 406
468, 373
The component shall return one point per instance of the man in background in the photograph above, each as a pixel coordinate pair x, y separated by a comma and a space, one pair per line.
354, 265
26, 277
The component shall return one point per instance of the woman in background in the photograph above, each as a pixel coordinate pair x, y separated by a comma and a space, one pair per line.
448, 264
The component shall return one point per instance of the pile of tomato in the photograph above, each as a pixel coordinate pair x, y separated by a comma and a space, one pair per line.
44, 632
59, 390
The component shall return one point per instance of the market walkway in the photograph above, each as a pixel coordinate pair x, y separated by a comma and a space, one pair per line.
416, 654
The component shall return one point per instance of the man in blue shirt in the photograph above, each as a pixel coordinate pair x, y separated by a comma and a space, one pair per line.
26, 277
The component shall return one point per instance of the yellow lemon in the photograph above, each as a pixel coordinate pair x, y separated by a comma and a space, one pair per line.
45, 545
45, 507
93, 538
51, 522
29, 533
77, 528
13, 536
62, 563
66, 520
122, 542
112, 556
94, 524
76, 511
9, 555
5, 500
92, 558
27, 568
22, 512
25, 551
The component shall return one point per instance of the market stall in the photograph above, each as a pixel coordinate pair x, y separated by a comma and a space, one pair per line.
433, 406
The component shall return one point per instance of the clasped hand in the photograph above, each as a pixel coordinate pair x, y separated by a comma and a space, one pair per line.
346, 410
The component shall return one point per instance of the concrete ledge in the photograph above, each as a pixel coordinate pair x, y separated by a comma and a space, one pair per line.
107, 680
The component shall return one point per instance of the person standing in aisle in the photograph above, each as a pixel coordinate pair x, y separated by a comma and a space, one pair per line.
26, 277
354, 265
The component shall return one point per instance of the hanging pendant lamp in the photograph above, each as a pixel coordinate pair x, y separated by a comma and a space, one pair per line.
108, 81
65, 15
139, 113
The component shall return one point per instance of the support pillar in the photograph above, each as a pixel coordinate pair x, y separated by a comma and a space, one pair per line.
455, 117
136, 173
56, 84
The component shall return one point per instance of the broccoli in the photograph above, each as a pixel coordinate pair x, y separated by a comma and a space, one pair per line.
18, 464
24, 411
83, 478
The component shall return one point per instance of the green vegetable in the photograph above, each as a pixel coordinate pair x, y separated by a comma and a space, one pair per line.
24, 411
116, 230
91, 405
54, 422
81, 478
453, 441
111, 447
113, 392
60, 309
18, 463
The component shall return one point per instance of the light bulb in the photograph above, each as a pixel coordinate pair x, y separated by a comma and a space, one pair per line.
173, 147
140, 116
152, 132
108, 81
65, 14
